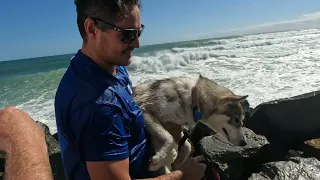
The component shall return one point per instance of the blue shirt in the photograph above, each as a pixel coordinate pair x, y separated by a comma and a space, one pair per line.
98, 120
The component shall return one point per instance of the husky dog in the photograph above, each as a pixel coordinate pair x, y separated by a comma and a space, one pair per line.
171, 103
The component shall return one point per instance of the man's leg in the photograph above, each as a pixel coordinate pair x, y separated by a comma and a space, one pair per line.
24, 143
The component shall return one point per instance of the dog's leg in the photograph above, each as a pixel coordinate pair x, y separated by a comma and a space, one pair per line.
183, 154
162, 141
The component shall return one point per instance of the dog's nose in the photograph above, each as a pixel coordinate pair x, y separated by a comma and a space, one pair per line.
243, 143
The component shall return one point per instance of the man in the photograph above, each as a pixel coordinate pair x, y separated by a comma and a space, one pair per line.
100, 128
25, 146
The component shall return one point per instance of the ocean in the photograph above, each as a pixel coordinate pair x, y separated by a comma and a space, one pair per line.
263, 66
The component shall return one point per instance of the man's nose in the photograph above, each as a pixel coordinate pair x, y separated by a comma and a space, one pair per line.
135, 43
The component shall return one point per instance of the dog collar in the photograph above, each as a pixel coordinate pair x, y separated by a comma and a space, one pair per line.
196, 114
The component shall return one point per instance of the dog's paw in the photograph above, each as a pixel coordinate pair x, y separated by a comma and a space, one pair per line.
156, 162
174, 154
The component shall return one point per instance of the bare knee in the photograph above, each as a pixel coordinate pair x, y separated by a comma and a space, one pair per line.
12, 111
8, 111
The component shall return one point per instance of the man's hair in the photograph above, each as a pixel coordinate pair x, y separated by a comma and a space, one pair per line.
109, 10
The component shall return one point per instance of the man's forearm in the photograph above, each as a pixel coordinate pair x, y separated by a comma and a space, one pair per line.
175, 175
28, 159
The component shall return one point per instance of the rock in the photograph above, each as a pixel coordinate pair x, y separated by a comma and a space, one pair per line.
294, 168
52, 143
287, 121
311, 148
2, 163
55, 135
54, 153
235, 162
229, 160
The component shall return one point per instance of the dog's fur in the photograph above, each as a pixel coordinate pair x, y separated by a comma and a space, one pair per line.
168, 106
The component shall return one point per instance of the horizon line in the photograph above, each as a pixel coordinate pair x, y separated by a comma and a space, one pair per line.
215, 37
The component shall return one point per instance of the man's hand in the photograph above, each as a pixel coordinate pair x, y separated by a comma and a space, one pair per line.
194, 168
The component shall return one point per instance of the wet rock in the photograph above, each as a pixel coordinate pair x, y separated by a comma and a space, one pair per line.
294, 168
287, 121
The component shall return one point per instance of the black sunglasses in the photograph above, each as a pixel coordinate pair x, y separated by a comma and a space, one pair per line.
128, 35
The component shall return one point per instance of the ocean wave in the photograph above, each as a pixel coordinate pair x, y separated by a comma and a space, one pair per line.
166, 60
265, 66
33, 93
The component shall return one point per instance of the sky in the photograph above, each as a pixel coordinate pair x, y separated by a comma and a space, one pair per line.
35, 28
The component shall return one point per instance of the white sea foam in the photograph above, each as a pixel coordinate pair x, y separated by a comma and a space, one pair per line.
264, 66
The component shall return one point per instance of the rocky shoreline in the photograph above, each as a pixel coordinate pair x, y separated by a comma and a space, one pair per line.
281, 136
282, 142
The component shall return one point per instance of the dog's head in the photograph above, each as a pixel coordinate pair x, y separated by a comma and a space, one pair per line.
228, 122
222, 110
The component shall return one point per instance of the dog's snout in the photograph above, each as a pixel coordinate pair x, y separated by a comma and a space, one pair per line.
243, 143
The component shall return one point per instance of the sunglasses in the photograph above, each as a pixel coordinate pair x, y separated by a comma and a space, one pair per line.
128, 35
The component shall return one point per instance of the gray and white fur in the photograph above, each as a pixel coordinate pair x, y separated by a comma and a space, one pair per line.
168, 106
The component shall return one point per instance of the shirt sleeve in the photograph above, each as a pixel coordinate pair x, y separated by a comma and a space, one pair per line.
106, 136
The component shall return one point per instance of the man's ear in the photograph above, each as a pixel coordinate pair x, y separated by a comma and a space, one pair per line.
232, 99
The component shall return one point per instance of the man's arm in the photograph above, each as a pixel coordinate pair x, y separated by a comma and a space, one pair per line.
119, 170
24, 143
106, 146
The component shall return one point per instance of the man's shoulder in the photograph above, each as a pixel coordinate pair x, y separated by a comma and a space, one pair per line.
108, 97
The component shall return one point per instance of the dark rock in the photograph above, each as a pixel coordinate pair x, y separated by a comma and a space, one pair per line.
294, 168
55, 135
52, 143
54, 153
57, 166
235, 162
311, 148
287, 121
2, 164
198, 132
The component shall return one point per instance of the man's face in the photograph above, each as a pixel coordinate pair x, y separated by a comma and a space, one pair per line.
108, 43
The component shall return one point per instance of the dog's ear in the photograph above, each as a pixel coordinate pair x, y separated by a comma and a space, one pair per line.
232, 99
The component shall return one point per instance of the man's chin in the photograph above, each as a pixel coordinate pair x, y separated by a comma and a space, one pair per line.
125, 62
128, 62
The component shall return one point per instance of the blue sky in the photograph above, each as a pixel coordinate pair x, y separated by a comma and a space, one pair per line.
36, 28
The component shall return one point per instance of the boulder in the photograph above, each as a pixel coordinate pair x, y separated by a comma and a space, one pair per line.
287, 121
251, 161
54, 153
311, 148
293, 168
235, 162
52, 143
